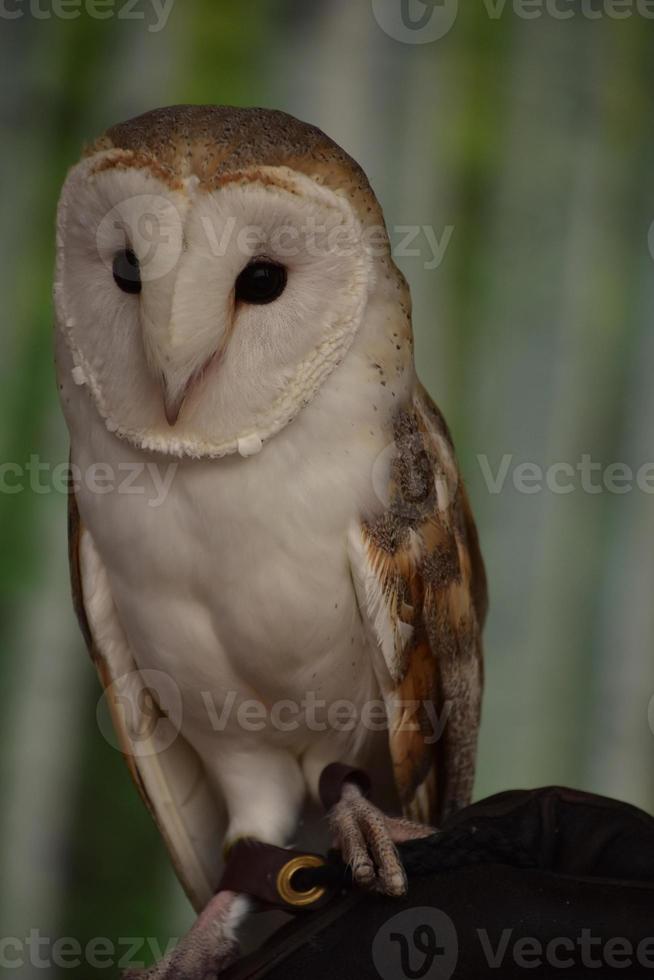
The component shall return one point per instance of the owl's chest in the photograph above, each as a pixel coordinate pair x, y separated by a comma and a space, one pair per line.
236, 581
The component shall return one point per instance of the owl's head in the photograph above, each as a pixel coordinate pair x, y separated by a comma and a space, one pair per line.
214, 265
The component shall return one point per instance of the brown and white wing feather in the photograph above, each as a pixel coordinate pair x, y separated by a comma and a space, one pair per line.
421, 587
164, 767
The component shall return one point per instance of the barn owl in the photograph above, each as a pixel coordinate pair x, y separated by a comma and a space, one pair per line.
228, 314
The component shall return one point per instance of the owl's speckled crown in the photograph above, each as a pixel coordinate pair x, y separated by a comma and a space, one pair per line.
213, 141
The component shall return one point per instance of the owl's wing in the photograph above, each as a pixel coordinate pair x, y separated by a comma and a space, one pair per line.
421, 588
166, 770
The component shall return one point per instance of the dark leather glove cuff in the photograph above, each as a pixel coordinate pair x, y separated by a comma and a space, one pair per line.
543, 884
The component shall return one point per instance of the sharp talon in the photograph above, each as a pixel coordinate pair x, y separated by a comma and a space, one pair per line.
394, 884
363, 873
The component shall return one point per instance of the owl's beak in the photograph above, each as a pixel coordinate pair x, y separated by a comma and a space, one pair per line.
173, 405
174, 396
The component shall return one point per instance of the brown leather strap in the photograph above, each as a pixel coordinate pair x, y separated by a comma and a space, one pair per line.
334, 777
269, 874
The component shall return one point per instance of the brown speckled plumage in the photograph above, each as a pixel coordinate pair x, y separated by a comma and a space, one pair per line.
430, 570
213, 141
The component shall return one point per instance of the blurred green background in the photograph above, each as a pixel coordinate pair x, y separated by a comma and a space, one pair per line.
531, 141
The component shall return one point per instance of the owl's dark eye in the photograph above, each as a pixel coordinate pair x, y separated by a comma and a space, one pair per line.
260, 282
127, 273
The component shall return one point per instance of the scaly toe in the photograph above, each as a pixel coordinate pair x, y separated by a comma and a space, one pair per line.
365, 841
363, 870
349, 840
393, 880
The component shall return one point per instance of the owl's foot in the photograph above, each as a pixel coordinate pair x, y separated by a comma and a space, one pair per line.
207, 949
367, 839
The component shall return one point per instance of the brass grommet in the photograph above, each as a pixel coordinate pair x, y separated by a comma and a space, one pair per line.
285, 881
